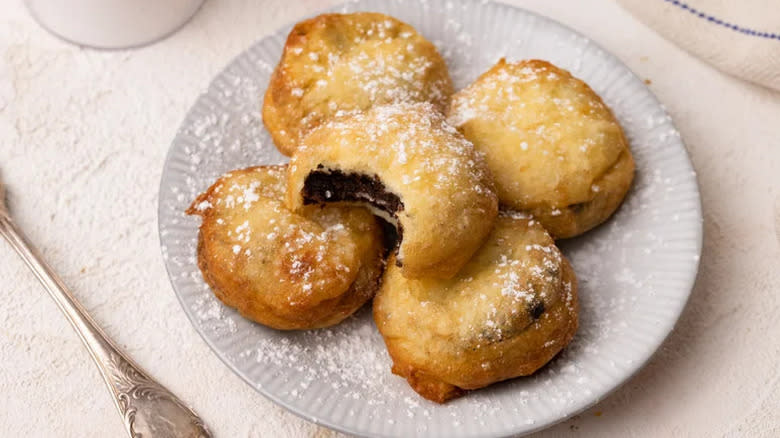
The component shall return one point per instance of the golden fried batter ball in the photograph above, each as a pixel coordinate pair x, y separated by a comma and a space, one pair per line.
344, 62
553, 147
411, 168
285, 270
510, 310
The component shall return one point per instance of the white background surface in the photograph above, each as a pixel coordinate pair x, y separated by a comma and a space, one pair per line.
83, 135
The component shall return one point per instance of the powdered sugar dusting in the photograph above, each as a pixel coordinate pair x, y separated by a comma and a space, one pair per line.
359, 61
420, 138
621, 266
344, 356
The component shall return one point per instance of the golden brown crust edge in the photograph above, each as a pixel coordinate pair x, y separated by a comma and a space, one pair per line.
566, 221
282, 112
323, 314
577, 219
281, 138
548, 342
573, 220
279, 87
229, 289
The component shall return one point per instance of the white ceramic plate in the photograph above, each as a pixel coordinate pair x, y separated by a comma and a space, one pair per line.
635, 272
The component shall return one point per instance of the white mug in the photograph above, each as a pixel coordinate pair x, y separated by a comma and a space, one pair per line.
112, 24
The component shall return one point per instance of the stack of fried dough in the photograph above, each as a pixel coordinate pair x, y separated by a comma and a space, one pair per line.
442, 207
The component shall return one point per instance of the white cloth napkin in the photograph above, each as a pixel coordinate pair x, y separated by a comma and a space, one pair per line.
740, 37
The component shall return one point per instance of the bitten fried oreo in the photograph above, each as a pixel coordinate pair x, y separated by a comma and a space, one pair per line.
510, 310
345, 62
411, 168
553, 147
282, 269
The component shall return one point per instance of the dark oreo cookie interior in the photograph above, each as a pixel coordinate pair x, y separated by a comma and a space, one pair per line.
537, 309
325, 185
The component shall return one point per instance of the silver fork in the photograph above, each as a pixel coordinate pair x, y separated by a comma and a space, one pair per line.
148, 409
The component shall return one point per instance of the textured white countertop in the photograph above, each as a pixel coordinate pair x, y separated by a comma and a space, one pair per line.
83, 136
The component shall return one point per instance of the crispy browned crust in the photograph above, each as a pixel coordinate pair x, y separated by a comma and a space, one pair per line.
303, 317
576, 219
263, 287
290, 110
526, 354
442, 367
562, 218
426, 385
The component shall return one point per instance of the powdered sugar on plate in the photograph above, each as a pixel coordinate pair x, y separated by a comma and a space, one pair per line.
634, 272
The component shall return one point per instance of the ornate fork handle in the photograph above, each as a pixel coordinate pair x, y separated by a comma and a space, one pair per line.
147, 408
